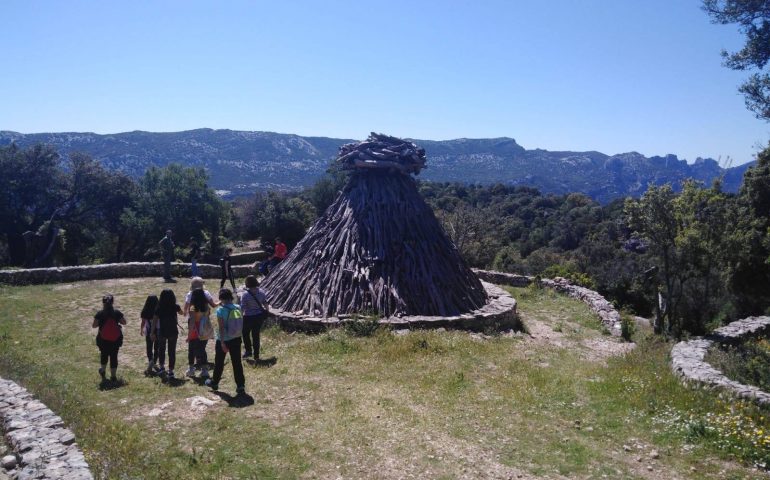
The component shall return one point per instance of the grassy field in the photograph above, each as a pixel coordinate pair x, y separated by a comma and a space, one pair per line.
562, 400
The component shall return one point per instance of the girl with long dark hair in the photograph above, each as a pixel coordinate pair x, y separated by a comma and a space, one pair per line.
166, 324
150, 335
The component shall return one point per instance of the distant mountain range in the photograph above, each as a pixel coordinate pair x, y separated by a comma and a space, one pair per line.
241, 162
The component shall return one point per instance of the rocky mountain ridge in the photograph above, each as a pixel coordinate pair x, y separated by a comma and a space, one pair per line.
240, 162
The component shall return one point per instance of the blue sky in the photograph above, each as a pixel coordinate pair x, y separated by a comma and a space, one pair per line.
607, 75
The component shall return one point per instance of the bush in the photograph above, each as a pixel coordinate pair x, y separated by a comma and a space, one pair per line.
627, 327
362, 326
747, 363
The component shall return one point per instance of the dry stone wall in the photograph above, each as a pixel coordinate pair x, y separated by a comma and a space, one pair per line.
43, 447
687, 358
606, 312
36, 276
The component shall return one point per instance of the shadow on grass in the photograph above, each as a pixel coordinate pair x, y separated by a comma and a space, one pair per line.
239, 401
262, 362
174, 382
107, 384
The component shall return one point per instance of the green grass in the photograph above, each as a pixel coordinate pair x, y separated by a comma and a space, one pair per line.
433, 404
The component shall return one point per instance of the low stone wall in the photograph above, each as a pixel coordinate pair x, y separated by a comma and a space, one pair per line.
499, 312
44, 448
687, 358
606, 312
36, 276
247, 258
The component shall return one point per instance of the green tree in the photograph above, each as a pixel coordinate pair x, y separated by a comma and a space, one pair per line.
753, 18
177, 198
31, 188
686, 236
271, 214
653, 217
749, 248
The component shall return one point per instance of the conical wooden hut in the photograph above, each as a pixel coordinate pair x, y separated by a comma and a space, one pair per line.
378, 249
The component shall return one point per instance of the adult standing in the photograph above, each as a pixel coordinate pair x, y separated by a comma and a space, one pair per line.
167, 250
227, 269
255, 309
195, 251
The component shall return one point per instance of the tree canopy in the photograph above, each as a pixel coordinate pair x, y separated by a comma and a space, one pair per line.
753, 19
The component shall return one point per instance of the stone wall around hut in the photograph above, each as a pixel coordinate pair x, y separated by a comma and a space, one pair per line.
37, 276
498, 313
606, 312
688, 358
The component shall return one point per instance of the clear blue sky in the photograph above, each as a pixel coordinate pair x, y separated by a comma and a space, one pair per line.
607, 75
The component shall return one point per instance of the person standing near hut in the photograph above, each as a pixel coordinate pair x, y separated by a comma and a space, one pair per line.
227, 269
280, 253
167, 250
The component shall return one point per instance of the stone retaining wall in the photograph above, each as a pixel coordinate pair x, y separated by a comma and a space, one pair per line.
499, 312
687, 358
609, 317
247, 258
36, 276
44, 448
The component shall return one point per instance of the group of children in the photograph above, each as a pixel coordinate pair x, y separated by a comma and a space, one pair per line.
233, 318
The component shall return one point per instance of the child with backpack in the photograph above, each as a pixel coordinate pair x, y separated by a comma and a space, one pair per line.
228, 335
167, 325
199, 332
150, 335
110, 337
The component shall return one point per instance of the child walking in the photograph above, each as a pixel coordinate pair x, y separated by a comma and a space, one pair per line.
255, 310
168, 330
199, 333
228, 335
110, 337
150, 335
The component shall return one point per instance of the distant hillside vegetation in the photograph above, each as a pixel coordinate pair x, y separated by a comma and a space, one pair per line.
241, 162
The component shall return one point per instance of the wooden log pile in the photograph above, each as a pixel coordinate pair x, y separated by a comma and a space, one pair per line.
382, 152
378, 249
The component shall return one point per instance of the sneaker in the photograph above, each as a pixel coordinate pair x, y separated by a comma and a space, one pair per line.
190, 371
246, 354
102, 374
170, 374
204, 372
210, 383
240, 391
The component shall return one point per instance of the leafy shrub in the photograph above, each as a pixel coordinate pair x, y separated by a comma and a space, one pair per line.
747, 363
570, 273
362, 326
627, 327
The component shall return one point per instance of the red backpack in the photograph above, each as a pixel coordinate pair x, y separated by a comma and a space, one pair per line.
110, 330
